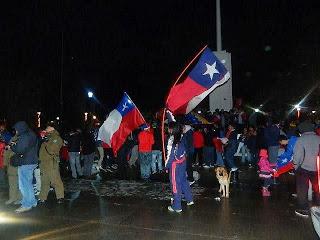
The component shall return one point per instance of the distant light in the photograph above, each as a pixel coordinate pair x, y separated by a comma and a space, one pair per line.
313, 111
298, 108
256, 110
58, 118
261, 105
38, 113
85, 116
199, 112
94, 117
90, 94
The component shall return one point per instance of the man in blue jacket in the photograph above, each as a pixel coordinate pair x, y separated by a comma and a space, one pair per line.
26, 148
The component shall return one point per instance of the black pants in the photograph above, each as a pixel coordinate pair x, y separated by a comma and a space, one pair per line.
198, 152
302, 180
189, 167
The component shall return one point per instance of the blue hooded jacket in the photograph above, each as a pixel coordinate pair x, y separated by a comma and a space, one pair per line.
27, 144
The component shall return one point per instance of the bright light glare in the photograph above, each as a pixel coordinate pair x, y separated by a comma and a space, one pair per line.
297, 106
256, 110
94, 117
58, 118
199, 112
90, 94
313, 111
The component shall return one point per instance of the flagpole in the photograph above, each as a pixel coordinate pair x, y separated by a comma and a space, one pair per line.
175, 83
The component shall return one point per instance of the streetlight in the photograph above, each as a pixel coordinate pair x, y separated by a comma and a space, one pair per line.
90, 94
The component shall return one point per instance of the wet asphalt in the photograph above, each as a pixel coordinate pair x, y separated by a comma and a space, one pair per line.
110, 208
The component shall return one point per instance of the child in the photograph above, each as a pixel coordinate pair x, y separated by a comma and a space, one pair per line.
265, 172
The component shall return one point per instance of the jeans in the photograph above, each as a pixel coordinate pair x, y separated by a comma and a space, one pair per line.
229, 156
74, 159
245, 155
87, 166
209, 155
198, 152
273, 154
156, 161
302, 182
219, 161
145, 164
25, 174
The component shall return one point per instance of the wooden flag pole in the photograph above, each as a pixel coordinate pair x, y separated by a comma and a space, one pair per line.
164, 110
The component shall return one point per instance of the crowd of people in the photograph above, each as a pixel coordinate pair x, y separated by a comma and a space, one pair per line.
35, 160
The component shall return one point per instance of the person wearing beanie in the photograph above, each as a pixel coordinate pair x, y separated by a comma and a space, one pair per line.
265, 172
305, 153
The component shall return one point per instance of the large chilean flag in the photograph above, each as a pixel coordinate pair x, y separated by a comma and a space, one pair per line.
208, 74
120, 123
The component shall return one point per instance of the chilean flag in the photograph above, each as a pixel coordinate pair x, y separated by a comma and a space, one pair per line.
120, 123
283, 166
208, 74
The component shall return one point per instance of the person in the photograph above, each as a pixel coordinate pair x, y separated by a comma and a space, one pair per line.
49, 165
265, 172
145, 140
272, 134
198, 143
26, 149
12, 173
218, 145
156, 164
209, 154
88, 150
188, 137
176, 164
231, 147
305, 153
74, 143
5, 137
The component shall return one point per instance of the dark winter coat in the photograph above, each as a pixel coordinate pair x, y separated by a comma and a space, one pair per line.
26, 145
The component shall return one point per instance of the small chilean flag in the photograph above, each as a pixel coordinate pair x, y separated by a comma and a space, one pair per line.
208, 74
120, 123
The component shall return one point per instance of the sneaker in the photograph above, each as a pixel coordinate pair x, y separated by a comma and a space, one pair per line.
190, 203
302, 213
233, 169
192, 182
9, 202
206, 166
173, 210
23, 209
60, 200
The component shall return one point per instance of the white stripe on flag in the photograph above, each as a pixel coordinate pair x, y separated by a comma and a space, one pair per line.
197, 99
110, 126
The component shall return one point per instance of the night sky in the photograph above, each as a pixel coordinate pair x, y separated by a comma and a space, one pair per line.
141, 47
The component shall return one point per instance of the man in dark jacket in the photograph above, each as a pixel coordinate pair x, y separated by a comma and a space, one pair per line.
74, 142
88, 151
26, 148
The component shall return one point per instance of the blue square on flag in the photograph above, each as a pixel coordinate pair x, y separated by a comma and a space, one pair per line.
208, 70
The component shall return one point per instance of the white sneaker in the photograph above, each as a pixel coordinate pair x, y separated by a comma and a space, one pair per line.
206, 166
190, 203
172, 210
234, 169
23, 209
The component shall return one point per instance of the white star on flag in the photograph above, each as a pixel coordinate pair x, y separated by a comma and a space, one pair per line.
124, 106
211, 69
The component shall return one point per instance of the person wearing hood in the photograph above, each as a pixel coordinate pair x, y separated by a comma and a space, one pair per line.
49, 165
26, 149
305, 154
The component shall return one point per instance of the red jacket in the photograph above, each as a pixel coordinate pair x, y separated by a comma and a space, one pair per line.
198, 139
217, 144
146, 140
2, 147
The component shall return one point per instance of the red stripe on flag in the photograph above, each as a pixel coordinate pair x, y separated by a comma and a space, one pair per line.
283, 169
182, 93
131, 121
